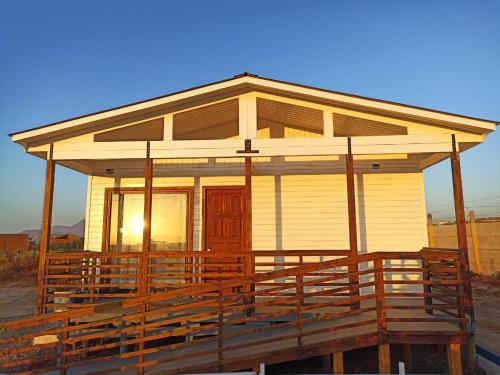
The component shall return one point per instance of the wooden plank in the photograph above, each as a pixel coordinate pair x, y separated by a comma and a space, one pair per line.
384, 359
48, 199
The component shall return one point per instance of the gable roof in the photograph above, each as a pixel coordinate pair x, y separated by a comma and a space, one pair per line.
243, 83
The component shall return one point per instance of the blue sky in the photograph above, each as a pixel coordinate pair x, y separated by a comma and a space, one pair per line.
60, 59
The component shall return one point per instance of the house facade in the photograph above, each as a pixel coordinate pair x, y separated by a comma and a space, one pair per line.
298, 137
257, 176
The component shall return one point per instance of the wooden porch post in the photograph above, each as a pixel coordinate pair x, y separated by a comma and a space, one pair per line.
249, 263
384, 359
338, 362
353, 236
460, 223
146, 243
48, 199
459, 202
146, 233
462, 244
248, 190
454, 359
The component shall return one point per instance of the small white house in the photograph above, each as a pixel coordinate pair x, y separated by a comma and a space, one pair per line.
264, 194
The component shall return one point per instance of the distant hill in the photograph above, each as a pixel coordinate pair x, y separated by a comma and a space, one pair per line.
77, 228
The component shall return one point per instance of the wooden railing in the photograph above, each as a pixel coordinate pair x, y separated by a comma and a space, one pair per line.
72, 280
291, 312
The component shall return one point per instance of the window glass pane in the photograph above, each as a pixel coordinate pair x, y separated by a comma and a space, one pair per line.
169, 222
126, 224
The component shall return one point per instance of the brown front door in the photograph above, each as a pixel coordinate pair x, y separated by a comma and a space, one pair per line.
225, 227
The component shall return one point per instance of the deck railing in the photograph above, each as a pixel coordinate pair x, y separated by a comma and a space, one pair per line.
292, 312
74, 279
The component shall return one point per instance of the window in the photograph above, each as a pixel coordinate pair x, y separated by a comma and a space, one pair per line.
170, 220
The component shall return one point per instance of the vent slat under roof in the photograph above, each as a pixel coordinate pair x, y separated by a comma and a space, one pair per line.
145, 131
216, 121
345, 126
272, 114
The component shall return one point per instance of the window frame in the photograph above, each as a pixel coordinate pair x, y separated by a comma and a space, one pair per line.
108, 193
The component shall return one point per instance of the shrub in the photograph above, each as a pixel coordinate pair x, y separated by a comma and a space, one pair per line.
18, 264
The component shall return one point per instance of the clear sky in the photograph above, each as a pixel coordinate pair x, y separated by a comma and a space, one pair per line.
60, 59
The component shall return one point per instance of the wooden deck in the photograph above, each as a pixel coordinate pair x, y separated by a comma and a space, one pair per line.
272, 345
293, 313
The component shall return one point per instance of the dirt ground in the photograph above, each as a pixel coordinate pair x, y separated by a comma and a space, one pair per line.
17, 299
487, 309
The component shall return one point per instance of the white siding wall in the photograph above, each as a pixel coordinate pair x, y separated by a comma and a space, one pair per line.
304, 211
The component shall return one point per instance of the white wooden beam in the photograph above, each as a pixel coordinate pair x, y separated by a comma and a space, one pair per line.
247, 119
327, 124
394, 144
252, 116
168, 127
401, 144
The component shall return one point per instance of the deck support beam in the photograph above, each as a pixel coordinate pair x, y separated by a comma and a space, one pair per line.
353, 235
454, 359
48, 199
384, 359
338, 362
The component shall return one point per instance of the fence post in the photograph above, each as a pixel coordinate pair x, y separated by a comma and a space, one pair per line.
92, 267
301, 281
426, 276
430, 234
475, 247
380, 295
142, 334
460, 289
249, 286
299, 292
220, 330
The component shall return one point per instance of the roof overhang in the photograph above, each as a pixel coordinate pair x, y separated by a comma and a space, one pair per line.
239, 85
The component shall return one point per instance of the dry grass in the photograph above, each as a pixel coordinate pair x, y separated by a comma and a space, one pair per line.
18, 265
